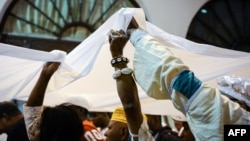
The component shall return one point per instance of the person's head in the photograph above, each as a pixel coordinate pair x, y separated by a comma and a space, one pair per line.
117, 127
9, 115
167, 135
182, 127
100, 119
154, 123
178, 124
178, 120
60, 123
81, 111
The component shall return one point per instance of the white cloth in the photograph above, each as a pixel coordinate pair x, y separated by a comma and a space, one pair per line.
85, 77
3, 137
78, 63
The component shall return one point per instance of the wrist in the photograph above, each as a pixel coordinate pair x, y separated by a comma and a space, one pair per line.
130, 31
120, 60
122, 71
115, 55
120, 66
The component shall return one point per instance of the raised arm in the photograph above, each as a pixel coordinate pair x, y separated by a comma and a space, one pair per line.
37, 94
126, 86
32, 108
163, 75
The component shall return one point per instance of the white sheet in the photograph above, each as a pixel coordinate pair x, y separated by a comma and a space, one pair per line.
85, 77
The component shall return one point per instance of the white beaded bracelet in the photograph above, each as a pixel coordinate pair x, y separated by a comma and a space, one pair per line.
125, 71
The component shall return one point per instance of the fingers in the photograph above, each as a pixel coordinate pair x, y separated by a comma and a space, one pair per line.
122, 32
56, 64
113, 34
110, 38
133, 24
52, 66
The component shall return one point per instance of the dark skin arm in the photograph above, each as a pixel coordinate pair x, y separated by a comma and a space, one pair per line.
126, 86
132, 26
37, 94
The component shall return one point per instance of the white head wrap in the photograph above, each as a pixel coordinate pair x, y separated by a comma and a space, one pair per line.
235, 87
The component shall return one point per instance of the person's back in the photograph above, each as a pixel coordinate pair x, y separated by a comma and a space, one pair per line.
12, 122
91, 133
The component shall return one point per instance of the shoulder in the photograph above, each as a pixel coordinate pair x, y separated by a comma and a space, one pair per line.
91, 132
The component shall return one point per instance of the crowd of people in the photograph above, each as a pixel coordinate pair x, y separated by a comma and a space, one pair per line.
205, 108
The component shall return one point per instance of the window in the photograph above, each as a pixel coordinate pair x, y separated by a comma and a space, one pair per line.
56, 24
223, 23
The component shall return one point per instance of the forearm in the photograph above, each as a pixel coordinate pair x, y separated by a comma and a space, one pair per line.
128, 94
37, 94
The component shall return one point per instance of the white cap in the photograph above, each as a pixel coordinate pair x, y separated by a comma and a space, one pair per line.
179, 117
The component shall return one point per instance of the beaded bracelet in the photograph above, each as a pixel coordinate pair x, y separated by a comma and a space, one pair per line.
125, 71
118, 60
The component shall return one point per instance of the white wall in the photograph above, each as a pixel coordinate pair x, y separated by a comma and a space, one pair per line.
173, 16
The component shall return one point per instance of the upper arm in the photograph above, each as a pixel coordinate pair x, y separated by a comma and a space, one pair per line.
32, 118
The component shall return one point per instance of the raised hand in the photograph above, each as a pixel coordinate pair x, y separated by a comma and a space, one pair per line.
37, 94
117, 40
49, 68
132, 26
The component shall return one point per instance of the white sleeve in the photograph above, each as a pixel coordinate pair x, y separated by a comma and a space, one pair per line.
155, 63
32, 117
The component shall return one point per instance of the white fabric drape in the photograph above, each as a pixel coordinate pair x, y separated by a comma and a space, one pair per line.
85, 76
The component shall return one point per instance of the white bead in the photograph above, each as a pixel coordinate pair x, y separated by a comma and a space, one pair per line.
117, 74
125, 71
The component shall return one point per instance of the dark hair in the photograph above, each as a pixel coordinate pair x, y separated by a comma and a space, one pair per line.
81, 111
9, 108
61, 123
167, 134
